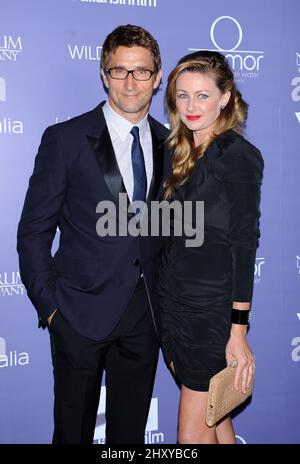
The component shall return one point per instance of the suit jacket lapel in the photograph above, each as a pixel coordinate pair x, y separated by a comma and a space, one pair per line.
158, 162
100, 142
103, 149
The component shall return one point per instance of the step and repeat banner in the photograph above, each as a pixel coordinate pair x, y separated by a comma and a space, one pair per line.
49, 72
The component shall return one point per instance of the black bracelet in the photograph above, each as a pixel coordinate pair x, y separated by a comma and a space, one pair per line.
240, 316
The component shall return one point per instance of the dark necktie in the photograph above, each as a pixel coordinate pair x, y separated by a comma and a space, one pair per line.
138, 166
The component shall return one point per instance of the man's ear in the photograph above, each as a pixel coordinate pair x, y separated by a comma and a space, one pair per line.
157, 79
104, 77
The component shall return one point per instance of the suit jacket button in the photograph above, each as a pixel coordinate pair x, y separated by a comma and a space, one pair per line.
136, 262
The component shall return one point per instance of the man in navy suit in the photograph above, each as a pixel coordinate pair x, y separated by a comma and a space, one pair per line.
98, 294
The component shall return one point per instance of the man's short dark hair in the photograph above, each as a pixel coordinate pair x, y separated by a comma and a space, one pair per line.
130, 36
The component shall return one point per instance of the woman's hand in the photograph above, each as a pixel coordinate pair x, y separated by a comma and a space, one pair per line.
238, 349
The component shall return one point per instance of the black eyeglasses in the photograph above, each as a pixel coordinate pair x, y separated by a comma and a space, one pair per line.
139, 74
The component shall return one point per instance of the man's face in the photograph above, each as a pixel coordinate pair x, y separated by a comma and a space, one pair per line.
129, 97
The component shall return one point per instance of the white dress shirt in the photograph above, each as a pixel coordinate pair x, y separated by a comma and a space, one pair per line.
119, 130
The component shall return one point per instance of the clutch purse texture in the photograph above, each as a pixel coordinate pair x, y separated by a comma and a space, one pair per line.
222, 397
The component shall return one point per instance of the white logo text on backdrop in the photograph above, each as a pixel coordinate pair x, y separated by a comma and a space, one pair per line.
2, 89
295, 354
245, 63
295, 94
85, 52
8, 125
11, 284
10, 48
257, 270
147, 3
11, 358
151, 435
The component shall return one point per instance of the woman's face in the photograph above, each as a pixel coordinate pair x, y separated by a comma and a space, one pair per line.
199, 102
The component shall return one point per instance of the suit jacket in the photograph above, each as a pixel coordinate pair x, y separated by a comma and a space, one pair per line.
90, 279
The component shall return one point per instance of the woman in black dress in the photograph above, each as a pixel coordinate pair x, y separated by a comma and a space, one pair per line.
206, 291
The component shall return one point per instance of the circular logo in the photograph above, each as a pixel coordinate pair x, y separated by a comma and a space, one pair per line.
212, 32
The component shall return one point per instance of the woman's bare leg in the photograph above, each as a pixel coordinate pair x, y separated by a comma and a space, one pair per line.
225, 432
192, 428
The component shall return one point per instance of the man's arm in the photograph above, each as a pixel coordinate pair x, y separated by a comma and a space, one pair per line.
38, 223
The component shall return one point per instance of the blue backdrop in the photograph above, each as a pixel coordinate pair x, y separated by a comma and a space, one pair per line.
49, 71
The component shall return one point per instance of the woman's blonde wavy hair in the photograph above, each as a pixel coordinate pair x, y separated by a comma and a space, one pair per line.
180, 140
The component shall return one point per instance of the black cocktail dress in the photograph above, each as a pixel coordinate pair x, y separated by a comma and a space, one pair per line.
197, 285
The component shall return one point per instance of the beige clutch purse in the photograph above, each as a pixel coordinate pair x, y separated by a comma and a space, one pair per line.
222, 397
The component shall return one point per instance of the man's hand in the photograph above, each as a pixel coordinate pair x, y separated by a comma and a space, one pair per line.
50, 317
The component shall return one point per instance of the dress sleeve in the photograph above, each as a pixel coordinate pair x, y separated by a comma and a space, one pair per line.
240, 169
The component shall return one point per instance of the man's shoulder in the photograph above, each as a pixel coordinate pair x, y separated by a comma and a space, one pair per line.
161, 131
79, 123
